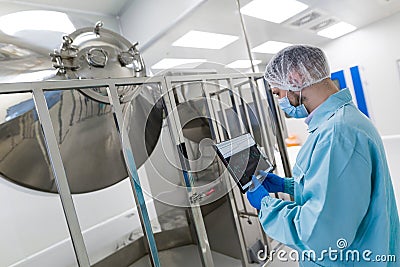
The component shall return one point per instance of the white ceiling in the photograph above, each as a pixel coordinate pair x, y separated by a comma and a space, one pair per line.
219, 16
99, 7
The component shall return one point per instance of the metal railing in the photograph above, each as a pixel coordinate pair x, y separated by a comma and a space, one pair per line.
166, 85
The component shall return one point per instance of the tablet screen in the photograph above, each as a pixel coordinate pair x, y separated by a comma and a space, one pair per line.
243, 158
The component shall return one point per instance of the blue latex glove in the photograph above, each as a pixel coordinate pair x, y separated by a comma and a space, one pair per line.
256, 193
272, 182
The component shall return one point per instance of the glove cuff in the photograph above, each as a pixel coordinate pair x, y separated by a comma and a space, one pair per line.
288, 186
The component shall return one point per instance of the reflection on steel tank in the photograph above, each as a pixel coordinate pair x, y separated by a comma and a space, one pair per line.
82, 119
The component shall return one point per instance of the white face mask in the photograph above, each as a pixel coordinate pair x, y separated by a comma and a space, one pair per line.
296, 112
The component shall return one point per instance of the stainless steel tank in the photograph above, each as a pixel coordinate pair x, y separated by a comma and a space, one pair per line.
82, 119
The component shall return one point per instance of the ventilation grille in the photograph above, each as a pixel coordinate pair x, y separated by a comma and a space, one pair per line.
323, 24
306, 19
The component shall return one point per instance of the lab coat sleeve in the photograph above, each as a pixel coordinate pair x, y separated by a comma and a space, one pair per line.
335, 198
288, 186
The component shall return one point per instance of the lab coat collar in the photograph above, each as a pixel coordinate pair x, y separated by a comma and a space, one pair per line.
328, 108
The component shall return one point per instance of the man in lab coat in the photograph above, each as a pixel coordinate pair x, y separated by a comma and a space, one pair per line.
344, 211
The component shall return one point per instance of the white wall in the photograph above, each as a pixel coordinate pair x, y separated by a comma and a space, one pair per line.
375, 49
34, 232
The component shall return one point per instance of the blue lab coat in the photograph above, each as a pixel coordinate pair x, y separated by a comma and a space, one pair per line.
343, 193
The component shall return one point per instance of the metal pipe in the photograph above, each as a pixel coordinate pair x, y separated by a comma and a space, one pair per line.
245, 36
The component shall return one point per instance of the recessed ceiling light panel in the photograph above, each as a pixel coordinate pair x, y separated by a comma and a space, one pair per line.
209, 40
270, 47
275, 11
182, 63
242, 64
337, 30
41, 20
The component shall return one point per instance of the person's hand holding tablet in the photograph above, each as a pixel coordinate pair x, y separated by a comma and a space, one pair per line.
272, 182
256, 193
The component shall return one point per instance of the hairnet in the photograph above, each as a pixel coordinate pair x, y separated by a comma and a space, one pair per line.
297, 67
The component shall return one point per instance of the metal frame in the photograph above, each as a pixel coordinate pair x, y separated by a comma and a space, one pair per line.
166, 85
195, 211
133, 175
237, 213
61, 178
217, 128
218, 135
37, 88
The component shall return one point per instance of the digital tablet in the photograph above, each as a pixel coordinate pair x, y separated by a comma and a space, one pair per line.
243, 159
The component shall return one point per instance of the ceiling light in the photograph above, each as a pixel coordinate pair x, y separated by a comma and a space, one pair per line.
270, 47
36, 20
275, 11
337, 30
242, 64
198, 39
184, 63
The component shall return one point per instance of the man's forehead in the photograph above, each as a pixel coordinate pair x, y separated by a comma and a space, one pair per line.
274, 85
276, 90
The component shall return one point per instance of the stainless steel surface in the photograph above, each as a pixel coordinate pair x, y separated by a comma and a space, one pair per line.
269, 123
133, 175
225, 232
86, 137
211, 100
187, 256
21, 60
264, 124
57, 164
82, 118
195, 211
135, 251
251, 113
96, 52
61, 179
182, 114
217, 128
236, 100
